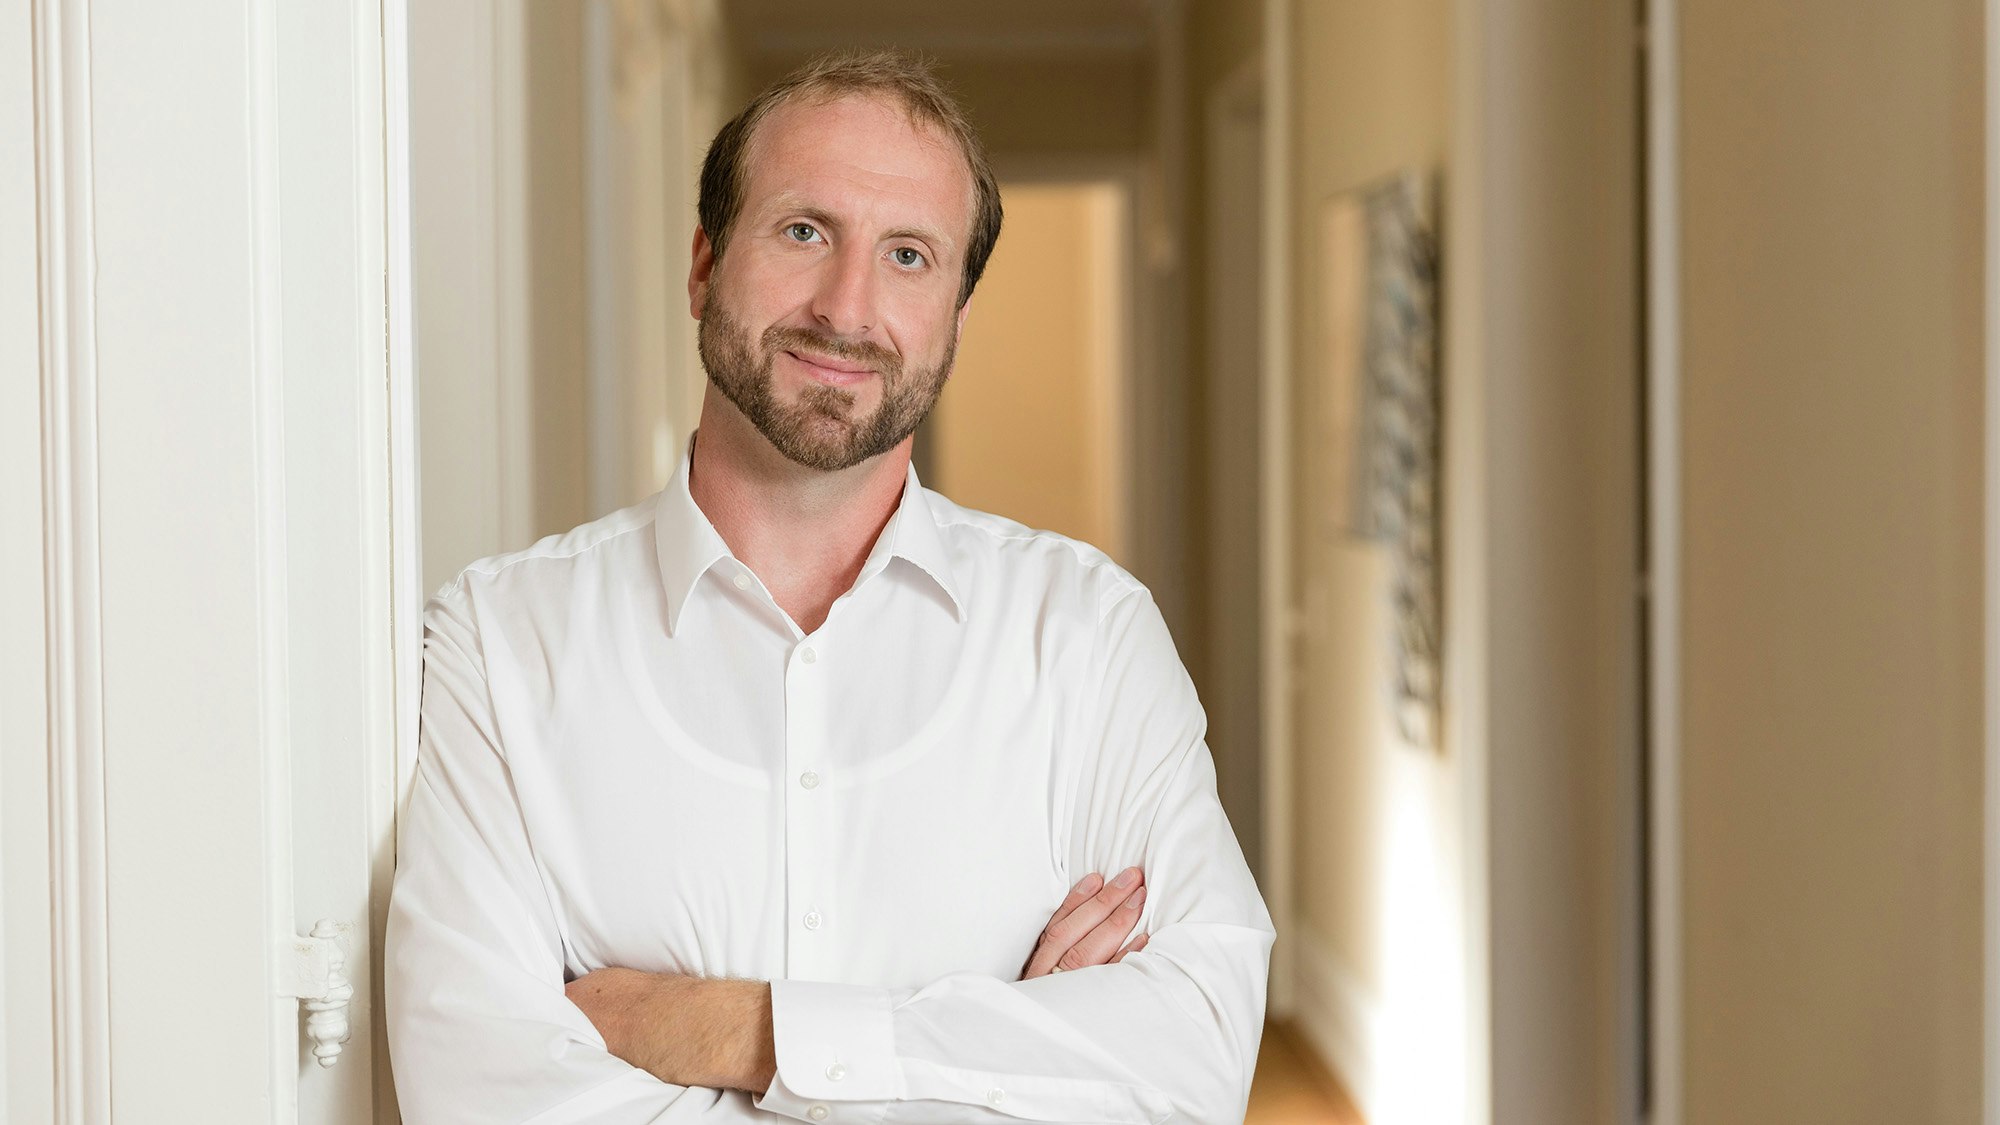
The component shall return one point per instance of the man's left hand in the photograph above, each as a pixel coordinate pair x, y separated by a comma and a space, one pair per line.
684, 1030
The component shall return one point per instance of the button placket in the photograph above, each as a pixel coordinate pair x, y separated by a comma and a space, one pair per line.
809, 841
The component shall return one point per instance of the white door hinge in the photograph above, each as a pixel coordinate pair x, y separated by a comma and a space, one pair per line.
312, 972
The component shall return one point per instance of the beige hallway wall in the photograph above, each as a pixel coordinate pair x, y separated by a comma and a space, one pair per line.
1029, 425
1390, 57
1832, 170
1542, 549
1222, 640
1378, 927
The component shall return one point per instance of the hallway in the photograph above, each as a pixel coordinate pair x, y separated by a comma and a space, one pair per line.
1562, 441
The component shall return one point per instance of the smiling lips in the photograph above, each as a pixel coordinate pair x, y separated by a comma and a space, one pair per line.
839, 372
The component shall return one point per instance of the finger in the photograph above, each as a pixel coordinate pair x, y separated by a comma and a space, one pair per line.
1097, 946
1089, 885
1063, 932
1133, 946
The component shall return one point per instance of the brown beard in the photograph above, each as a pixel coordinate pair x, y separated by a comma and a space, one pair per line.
818, 431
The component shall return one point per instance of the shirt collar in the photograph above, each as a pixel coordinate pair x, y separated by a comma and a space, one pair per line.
688, 544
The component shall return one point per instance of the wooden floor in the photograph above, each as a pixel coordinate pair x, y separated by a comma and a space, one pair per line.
1293, 1088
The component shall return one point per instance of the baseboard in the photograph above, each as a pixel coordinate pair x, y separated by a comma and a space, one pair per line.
1338, 1017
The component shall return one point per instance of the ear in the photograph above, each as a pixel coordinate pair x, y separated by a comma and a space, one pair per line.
701, 267
962, 310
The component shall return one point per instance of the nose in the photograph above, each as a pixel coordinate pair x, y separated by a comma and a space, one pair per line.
845, 301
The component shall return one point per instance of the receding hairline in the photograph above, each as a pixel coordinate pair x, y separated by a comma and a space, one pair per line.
929, 131
893, 76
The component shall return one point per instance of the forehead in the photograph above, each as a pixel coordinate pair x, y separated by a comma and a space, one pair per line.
862, 157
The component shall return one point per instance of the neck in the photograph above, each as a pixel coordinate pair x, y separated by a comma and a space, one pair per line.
805, 532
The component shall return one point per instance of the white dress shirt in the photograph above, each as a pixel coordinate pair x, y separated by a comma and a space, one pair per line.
632, 756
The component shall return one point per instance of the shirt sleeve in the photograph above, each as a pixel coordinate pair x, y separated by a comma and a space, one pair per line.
480, 1029
1170, 1033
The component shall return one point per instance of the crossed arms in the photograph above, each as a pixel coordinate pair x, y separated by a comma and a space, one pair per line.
699, 1031
483, 1028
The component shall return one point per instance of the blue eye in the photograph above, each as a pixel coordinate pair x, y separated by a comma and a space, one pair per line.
907, 256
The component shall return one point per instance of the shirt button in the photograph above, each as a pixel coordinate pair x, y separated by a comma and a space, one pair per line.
743, 582
836, 1072
817, 1113
995, 1094
812, 919
809, 779
808, 655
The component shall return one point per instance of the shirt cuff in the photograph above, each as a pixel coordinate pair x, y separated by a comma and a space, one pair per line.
836, 1048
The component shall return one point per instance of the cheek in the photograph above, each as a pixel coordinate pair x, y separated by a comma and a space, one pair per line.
783, 280
920, 333
755, 291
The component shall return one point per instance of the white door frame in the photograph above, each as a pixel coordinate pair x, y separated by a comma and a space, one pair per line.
213, 553
406, 516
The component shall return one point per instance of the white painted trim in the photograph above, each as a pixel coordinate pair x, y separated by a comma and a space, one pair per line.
1991, 1110
1340, 1019
26, 1088
407, 593
272, 566
1277, 500
1663, 568
80, 964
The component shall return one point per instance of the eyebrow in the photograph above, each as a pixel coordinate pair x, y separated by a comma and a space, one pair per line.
793, 205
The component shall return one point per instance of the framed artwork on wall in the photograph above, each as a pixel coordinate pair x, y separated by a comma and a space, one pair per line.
1379, 261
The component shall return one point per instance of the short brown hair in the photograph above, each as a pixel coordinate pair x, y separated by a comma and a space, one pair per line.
889, 73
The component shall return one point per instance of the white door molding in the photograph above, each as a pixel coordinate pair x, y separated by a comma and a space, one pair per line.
214, 515
404, 522
80, 961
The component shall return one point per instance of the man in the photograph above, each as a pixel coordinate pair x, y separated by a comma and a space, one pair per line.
747, 802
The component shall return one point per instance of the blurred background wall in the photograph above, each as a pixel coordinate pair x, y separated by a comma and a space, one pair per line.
1544, 306
1833, 163
1376, 934
1033, 423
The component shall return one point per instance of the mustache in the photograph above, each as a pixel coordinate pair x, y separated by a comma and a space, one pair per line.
784, 337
